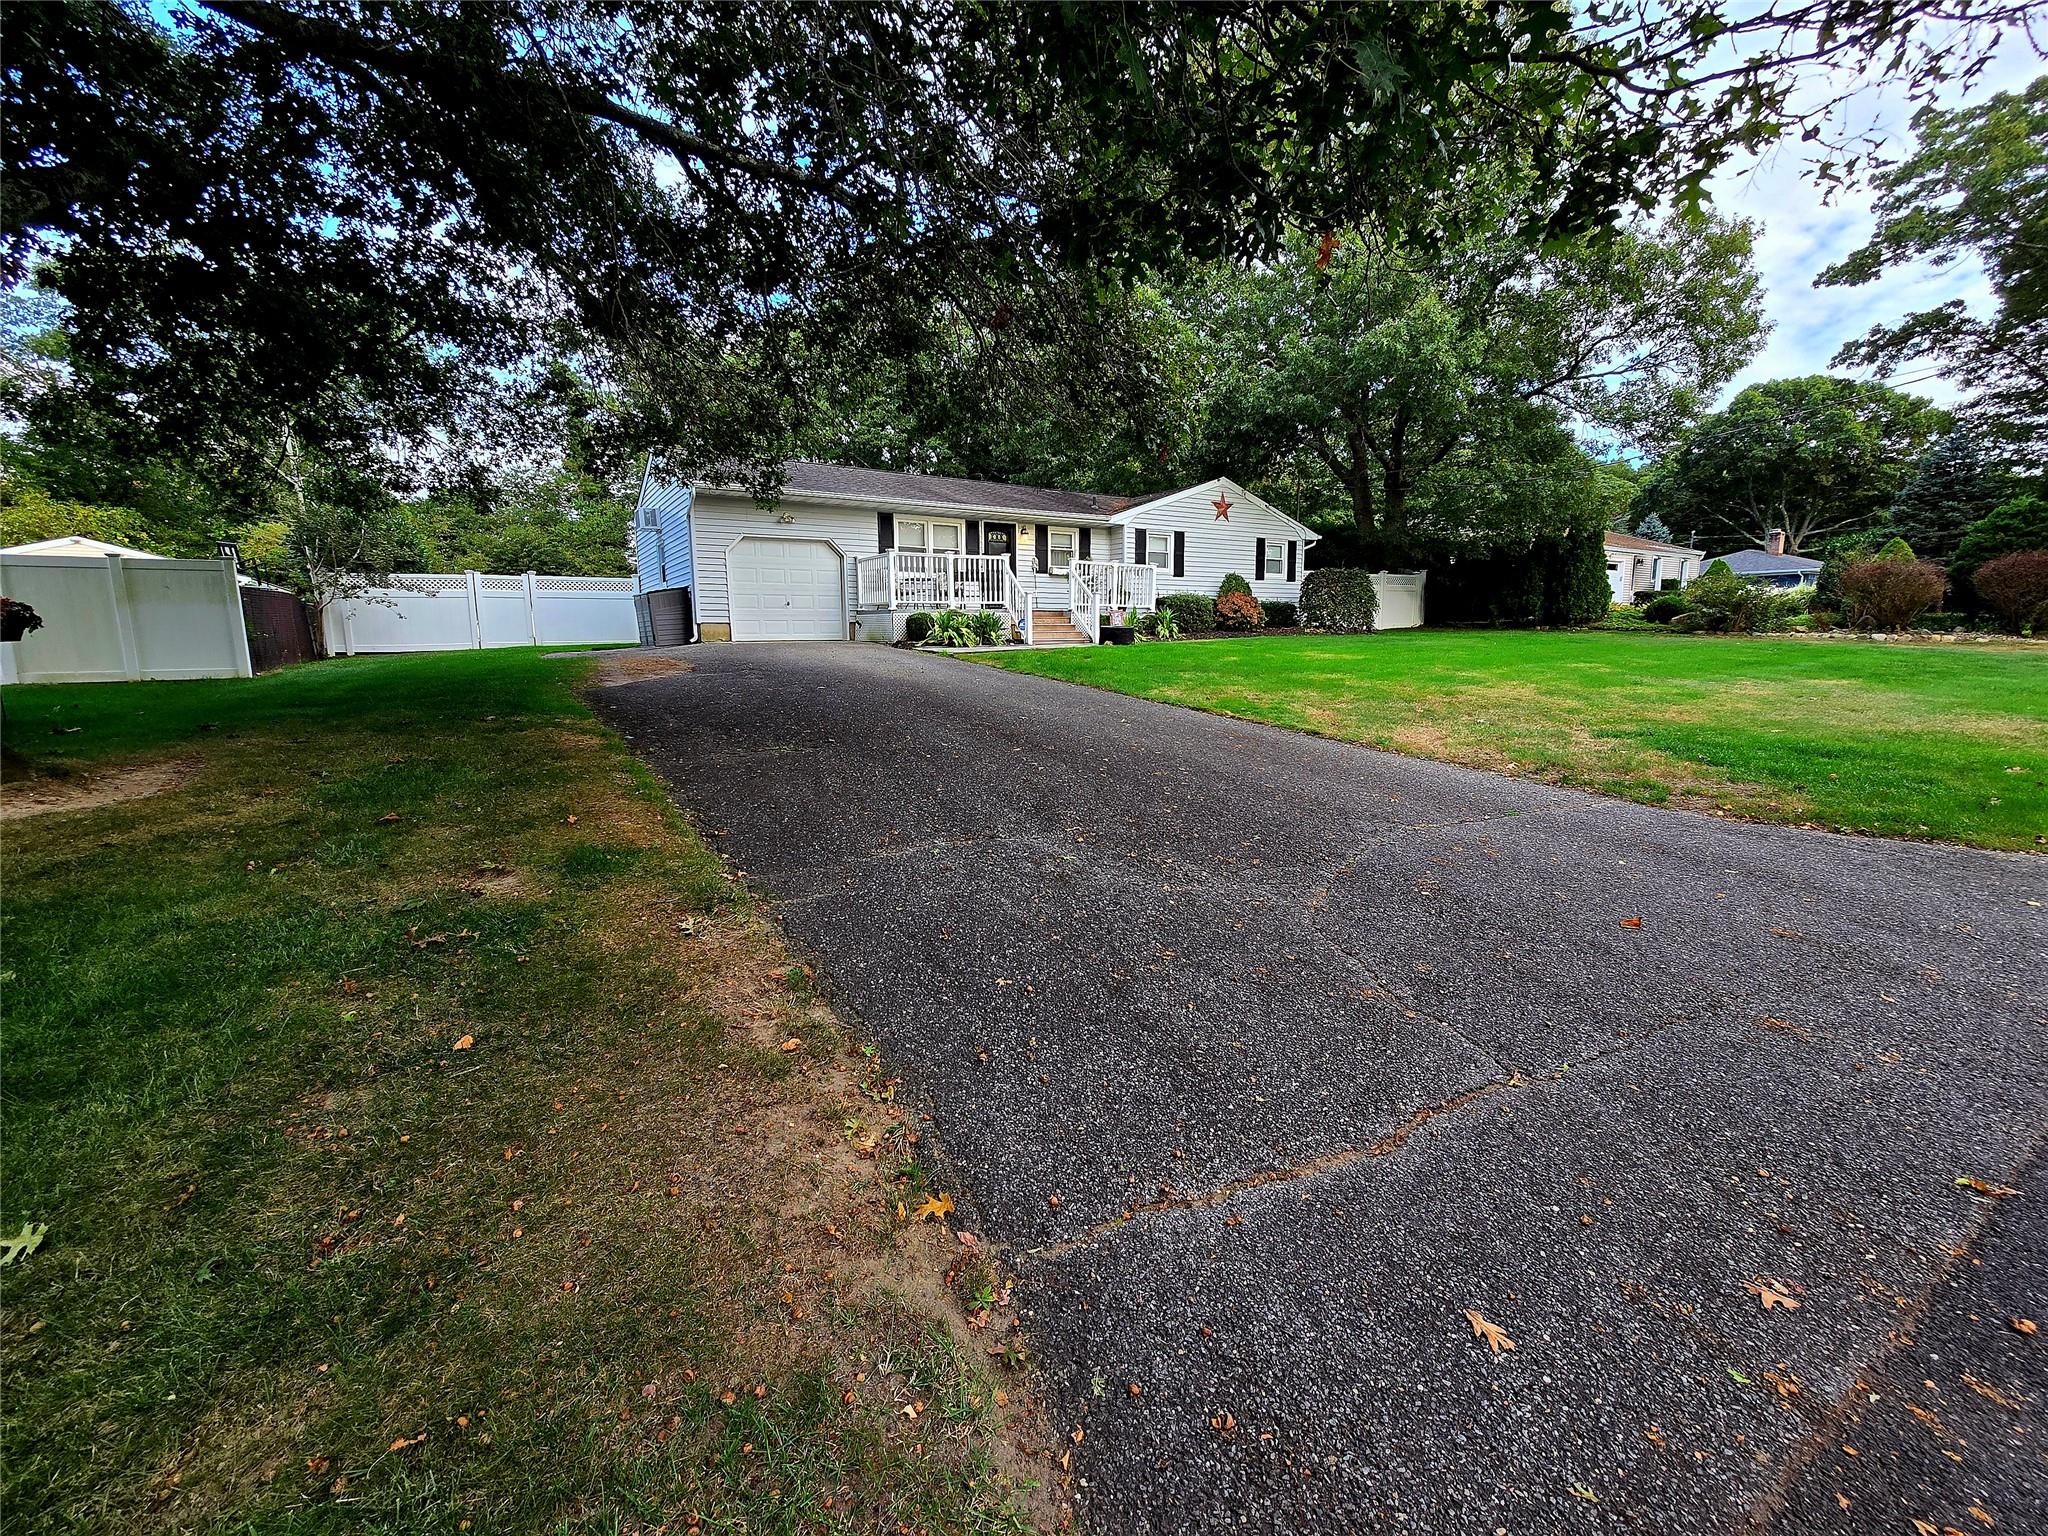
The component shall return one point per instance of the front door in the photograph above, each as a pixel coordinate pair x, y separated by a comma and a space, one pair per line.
1000, 539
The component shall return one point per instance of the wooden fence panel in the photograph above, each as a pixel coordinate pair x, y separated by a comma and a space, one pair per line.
280, 628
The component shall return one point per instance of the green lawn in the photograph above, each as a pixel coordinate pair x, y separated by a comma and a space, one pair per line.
1901, 740
405, 1097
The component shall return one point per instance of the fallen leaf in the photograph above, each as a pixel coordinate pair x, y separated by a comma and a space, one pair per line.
1771, 1294
403, 1445
935, 1207
1495, 1336
792, 1045
2025, 1325
390, 816
1981, 1516
465, 1042
1985, 1186
1631, 922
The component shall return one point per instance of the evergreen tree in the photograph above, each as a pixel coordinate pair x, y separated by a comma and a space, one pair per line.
1953, 486
1654, 527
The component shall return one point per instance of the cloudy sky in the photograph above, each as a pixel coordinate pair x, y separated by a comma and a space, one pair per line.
1802, 235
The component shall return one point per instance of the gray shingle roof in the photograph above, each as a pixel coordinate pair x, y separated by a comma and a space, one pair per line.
1760, 562
943, 491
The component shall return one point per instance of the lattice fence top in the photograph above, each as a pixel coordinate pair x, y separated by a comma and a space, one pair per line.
428, 584
435, 584
583, 583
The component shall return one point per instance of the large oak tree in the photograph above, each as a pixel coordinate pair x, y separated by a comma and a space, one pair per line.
1435, 389
365, 219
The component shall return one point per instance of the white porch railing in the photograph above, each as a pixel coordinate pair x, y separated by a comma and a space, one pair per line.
1096, 587
902, 578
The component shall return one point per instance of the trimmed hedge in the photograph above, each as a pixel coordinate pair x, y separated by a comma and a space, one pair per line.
918, 628
1233, 583
1194, 613
1282, 615
1339, 601
1665, 607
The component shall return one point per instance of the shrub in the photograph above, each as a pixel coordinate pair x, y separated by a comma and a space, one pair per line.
1689, 623
1282, 615
988, 626
1233, 583
19, 615
1664, 607
2015, 587
1339, 601
1575, 587
1896, 550
953, 627
1239, 610
1194, 613
1725, 604
1162, 625
1890, 593
1837, 555
917, 628
2021, 523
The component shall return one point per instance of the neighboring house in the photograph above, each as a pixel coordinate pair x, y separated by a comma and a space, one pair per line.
850, 553
1771, 566
1636, 565
78, 544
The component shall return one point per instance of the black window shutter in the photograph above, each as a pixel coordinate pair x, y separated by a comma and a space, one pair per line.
1259, 561
1084, 545
1180, 553
1144, 554
885, 529
1290, 559
973, 536
1041, 549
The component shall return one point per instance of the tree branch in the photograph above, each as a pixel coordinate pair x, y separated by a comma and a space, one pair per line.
353, 53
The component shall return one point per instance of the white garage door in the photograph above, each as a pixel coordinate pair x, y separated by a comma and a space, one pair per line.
787, 589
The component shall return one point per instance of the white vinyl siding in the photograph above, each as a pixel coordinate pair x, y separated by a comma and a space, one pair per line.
720, 517
1214, 547
661, 537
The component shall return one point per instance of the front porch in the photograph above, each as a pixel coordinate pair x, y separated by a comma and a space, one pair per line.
1064, 608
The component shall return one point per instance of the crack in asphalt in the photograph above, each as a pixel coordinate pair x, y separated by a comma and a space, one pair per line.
1329, 1162
1826, 1424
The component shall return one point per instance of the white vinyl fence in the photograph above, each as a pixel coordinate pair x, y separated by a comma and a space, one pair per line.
1400, 599
113, 618
478, 611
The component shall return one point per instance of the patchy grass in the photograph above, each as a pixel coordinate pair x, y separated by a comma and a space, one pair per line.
1929, 741
403, 1087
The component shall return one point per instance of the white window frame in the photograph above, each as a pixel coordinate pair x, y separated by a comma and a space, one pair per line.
927, 524
1276, 561
1052, 548
1164, 545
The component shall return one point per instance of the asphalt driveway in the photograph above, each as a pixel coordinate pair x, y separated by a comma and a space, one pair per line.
1272, 1058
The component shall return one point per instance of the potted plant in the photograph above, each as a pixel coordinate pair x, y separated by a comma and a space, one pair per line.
17, 619
1118, 630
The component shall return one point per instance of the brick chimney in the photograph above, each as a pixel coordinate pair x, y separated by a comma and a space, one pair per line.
1774, 542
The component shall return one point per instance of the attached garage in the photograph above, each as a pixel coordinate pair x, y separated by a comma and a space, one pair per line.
787, 589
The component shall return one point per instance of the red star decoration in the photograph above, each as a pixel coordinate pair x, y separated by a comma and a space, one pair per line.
1222, 506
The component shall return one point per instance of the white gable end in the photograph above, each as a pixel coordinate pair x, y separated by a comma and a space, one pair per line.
1211, 546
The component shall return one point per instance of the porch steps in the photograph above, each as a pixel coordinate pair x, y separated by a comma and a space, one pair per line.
1049, 626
